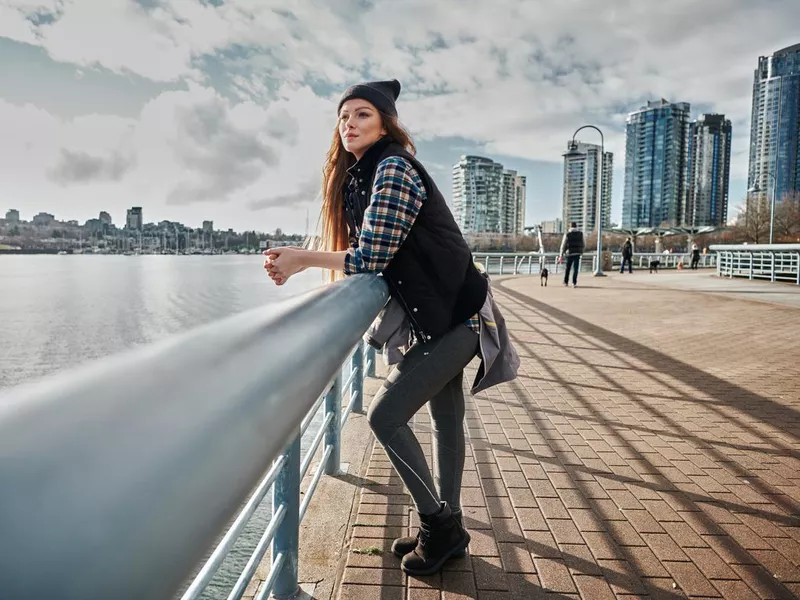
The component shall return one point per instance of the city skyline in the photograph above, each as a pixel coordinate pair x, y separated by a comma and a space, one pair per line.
224, 110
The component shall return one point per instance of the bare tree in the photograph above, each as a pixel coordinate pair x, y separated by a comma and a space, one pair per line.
753, 221
787, 218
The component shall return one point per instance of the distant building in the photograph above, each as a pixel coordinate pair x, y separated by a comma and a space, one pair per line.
488, 199
580, 193
134, 218
12, 216
512, 203
775, 124
43, 219
657, 139
477, 189
208, 226
554, 226
105, 218
709, 168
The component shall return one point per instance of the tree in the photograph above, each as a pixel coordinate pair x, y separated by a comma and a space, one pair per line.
753, 220
787, 218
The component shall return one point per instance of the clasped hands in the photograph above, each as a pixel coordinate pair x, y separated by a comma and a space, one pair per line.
283, 262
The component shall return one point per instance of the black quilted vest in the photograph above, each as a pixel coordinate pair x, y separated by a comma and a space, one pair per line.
432, 275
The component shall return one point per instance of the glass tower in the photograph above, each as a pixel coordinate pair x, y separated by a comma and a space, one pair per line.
708, 172
656, 147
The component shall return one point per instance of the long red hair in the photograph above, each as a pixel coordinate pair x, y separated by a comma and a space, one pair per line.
333, 227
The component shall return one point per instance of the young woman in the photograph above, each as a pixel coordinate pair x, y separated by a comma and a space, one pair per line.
382, 212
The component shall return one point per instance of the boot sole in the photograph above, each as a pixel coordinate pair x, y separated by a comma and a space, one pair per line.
458, 554
461, 548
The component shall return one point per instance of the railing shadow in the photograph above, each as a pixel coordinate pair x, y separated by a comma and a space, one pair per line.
748, 402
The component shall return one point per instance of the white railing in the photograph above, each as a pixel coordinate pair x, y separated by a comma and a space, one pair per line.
530, 263
775, 262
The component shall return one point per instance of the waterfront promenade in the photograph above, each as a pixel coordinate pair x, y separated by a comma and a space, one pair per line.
650, 448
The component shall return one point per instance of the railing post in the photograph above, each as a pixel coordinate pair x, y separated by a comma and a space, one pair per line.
357, 385
333, 404
371, 358
798, 268
772, 265
286, 540
501, 264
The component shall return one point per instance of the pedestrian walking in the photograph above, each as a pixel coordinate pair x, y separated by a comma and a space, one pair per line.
572, 246
627, 256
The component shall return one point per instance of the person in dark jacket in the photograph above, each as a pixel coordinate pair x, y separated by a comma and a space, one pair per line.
695, 256
572, 247
627, 256
382, 212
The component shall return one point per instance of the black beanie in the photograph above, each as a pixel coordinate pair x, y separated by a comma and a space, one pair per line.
380, 93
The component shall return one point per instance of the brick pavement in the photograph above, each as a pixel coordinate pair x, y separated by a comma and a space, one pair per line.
650, 448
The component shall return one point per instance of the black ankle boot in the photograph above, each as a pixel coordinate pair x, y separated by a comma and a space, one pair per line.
440, 538
404, 545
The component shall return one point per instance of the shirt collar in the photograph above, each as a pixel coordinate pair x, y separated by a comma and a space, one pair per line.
369, 161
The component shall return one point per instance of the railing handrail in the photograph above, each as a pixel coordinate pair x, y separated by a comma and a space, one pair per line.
755, 247
118, 476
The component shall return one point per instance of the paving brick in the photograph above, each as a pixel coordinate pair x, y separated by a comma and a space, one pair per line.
367, 576
710, 563
371, 592
554, 575
579, 559
516, 558
424, 594
735, 590
458, 585
594, 587
690, 579
489, 574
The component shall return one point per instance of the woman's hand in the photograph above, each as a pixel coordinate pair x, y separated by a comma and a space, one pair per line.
283, 262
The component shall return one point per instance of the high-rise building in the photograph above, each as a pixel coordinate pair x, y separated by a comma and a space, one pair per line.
105, 218
43, 219
208, 226
580, 193
477, 192
554, 226
512, 203
656, 145
134, 218
775, 124
708, 171
12, 216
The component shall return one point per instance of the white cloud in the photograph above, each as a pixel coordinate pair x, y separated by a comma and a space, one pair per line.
515, 77
186, 148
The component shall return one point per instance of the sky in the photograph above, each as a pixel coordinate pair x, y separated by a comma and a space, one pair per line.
224, 109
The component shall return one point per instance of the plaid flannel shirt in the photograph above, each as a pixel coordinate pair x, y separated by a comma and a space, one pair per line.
397, 197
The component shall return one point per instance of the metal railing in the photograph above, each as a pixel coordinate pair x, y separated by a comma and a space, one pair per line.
529, 263
775, 262
667, 261
117, 477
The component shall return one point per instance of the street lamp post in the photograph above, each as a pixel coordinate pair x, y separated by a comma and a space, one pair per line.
573, 151
756, 189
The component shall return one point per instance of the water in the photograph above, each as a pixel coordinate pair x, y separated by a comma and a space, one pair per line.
57, 312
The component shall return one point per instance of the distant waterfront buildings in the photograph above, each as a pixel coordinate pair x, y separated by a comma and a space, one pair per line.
208, 226
134, 218
708, 172
580, 193
12, 216
43, 219
487, 198
554, 226
775, 124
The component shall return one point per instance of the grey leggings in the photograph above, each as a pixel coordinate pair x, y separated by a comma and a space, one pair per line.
429, 373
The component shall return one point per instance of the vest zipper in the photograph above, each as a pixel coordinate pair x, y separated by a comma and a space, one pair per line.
409, 312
